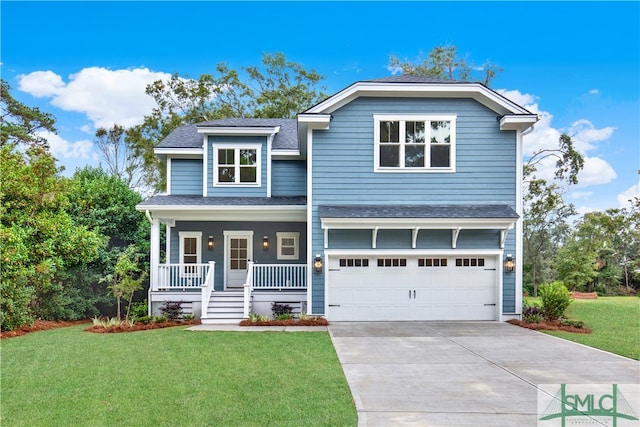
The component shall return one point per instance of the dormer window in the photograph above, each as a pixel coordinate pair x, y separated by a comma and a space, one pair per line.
236, 165
414, 143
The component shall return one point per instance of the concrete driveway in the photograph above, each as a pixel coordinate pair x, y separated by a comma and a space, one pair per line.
463, 373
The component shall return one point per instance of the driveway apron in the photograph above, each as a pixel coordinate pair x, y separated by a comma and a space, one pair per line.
463, 373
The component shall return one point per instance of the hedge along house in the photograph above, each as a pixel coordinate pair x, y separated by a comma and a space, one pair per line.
394, 199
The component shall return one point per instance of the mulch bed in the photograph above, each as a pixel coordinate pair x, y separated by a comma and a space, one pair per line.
138, 327
549, 326
41, 325
316, 321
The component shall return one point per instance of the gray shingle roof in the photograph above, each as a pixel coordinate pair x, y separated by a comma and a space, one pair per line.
405, 78
417, 211
164, 200
188, 137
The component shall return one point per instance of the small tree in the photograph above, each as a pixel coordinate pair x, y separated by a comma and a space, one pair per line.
127, 278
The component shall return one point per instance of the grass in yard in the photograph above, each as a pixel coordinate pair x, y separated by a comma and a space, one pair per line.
172, 377
614, 321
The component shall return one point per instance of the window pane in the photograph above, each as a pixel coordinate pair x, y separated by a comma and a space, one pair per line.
415, 133
190, 259
248, 174
389, 131
226, 174
441, 132
247, 157
225, 157
287, 250
414, 156
389, 156
288, 241
440, 156
190, 245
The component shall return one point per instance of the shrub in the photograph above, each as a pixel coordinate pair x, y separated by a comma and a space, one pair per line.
555, 300
280, 309
531, 313
172, 309
139, 310
284, 316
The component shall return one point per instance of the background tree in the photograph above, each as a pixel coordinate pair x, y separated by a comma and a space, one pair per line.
278, 89
20, 124
545, 211
39, 238
443, 62
118, 156
104, 203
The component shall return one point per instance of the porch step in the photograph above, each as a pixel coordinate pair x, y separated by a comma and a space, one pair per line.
225, 307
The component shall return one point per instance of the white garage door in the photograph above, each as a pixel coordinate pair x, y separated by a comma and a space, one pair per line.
367, 288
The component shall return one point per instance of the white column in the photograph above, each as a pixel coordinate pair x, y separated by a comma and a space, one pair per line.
154, 261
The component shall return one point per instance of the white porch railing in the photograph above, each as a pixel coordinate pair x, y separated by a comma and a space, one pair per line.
181, 276
279, 276
207, 289
273, 276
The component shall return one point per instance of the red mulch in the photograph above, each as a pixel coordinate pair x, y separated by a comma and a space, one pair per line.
549, 326
316, 321
138, 327
41, 325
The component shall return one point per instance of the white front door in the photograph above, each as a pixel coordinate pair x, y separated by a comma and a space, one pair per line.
238, 251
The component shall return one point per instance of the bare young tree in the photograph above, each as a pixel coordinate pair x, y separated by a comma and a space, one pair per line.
119, 157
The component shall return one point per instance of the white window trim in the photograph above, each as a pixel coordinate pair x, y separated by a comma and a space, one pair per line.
296, 248
377, 118
237, 147
190, 234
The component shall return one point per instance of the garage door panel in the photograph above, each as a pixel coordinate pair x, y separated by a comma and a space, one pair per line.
412, 288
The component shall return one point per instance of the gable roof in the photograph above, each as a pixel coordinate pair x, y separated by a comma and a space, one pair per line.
190, 136
425, 87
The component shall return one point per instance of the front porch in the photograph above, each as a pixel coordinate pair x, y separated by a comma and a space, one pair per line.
194, 285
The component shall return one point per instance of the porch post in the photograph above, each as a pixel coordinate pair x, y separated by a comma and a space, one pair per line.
154, 256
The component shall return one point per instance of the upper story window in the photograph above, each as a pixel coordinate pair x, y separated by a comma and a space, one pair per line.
415, 143
236, 165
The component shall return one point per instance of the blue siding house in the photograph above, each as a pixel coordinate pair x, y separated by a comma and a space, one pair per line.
394, 199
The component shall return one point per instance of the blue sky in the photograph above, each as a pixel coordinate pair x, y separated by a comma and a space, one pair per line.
577, 64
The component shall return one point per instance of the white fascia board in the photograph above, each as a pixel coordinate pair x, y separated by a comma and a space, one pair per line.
422, 223
518, 122
315, 119
235, 130
477, 91
285, 154
179, 151
229, 213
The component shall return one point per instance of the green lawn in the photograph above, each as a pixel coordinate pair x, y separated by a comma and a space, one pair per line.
614, 321
172, 377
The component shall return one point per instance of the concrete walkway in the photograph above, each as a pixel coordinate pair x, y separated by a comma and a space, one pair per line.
464, 373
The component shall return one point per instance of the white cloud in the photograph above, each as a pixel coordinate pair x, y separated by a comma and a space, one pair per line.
594, 92
585, 135
63, 149
105, 96
545, 136
596, 171
628, 194
86, 129
581, 194
41, 83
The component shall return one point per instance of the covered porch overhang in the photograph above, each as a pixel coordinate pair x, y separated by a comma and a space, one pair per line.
416, 218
